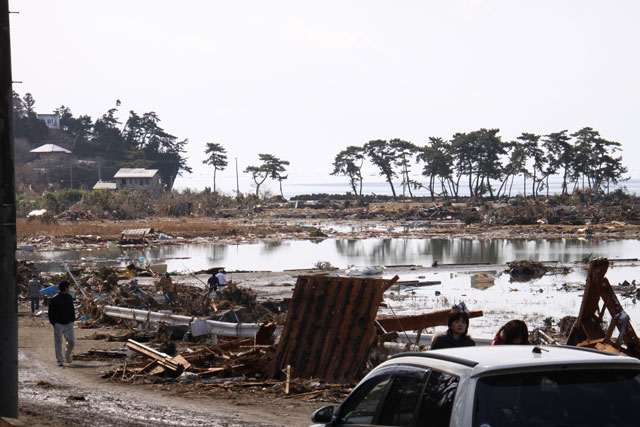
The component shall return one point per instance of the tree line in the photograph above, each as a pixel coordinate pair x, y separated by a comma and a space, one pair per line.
479, 163
140, 143
485, 165
270, 166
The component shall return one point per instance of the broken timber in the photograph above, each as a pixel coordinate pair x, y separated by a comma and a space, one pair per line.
588, 330
175, 364
419, 321
330, 327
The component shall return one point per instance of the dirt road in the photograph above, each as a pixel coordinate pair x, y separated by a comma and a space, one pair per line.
76, 395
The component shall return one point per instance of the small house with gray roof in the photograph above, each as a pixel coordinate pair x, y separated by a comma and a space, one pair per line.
138, 179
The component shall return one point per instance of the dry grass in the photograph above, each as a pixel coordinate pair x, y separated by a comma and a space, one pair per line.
190, 227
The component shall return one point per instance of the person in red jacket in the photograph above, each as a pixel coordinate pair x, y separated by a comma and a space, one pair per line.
512, 332
62, 314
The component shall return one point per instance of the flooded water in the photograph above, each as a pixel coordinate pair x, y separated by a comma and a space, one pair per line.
341, 253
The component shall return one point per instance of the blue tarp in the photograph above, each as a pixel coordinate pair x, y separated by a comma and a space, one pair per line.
51, 290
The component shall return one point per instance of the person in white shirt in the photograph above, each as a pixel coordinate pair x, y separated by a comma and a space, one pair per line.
222, 280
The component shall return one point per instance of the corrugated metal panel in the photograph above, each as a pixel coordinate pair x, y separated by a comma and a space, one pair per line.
136, 232
330, 328
135, 173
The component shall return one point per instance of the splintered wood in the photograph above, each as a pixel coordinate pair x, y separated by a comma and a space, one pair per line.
588, 330
330, 327
159, 361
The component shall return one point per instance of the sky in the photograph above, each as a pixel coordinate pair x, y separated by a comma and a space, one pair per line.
303, 80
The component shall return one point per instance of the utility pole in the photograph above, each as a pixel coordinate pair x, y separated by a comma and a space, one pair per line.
8, 300
237, 180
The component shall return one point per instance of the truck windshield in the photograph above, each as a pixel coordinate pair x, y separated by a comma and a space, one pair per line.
594, 397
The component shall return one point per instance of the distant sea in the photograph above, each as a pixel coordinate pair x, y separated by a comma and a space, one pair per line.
372, 185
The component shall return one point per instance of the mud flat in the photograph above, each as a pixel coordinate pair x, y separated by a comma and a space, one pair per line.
77, 395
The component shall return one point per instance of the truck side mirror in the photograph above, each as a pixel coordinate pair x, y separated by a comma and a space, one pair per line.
323, 415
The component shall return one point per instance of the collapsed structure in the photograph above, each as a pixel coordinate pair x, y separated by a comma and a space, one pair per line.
599, 300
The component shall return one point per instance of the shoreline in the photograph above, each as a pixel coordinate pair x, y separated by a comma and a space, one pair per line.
79, 234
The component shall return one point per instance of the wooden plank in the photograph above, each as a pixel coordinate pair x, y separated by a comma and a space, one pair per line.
420, 321
313, 307
333, 352
364, 330
334, 317
284, 345
347, 330
164, 360
319, 334
296, 320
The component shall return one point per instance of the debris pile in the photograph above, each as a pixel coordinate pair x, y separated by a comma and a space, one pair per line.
525, 270
599, 300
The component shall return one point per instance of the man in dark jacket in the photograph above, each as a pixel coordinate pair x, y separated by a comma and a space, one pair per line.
34, 293
62, 314
213, 285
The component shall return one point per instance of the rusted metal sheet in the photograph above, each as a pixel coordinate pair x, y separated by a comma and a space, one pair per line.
598, 299
419, 321
330, 328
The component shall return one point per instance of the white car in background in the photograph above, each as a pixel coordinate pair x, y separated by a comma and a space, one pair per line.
507, 385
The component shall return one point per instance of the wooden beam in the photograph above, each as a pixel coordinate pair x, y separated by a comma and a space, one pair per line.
420, 321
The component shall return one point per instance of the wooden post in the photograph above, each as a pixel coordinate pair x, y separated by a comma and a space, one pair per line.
288, 382
8, 269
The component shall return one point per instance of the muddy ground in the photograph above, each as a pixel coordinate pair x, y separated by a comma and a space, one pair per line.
77, 395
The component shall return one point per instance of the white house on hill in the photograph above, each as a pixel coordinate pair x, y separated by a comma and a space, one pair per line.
51, 120
138, 179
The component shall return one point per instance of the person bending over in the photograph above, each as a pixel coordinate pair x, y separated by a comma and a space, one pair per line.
512, 332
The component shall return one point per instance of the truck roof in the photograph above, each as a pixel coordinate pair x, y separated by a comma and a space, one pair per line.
474, 361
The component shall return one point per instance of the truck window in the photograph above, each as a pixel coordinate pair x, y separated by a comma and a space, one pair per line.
594, 397
361, 406
437, 400
403, 398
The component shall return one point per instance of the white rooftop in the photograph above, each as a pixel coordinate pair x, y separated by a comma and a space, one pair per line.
481, 359
135, 173
105, 185
50, 148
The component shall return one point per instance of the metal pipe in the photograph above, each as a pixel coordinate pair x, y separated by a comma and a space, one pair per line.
225, 329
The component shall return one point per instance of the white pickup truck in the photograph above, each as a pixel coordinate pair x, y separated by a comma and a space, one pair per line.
517, 385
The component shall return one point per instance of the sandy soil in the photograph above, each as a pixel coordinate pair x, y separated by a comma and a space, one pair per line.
76, 395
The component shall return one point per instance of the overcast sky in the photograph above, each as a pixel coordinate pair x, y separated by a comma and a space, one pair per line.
302, 80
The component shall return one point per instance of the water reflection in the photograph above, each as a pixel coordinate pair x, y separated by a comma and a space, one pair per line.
292, 254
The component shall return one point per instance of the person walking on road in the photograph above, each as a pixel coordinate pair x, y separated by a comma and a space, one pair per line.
62, 314
34, 293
